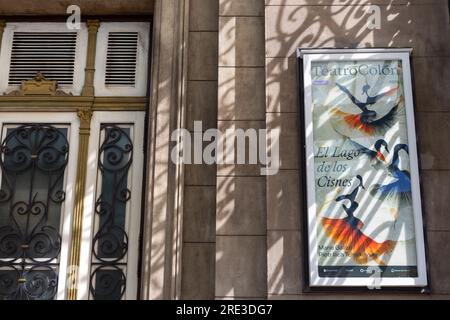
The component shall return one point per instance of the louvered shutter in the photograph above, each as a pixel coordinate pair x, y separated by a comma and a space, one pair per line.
52, 53
121, 65
121, 59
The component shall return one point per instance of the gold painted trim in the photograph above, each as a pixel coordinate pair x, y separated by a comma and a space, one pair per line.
71, 103
120, 103
88, 88
85, 116
39, 86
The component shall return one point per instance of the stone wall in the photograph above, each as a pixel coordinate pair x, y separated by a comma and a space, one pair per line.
199, 231
241, 227
423, 25
242, 233
258, 230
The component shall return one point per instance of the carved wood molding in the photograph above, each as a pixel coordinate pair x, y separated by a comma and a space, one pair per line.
39, 86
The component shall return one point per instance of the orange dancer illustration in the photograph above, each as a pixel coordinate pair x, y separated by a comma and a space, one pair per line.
347, 233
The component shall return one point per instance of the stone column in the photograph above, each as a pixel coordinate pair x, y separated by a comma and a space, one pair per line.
162, 239
284, 242
241, 261
2, 29
199, 232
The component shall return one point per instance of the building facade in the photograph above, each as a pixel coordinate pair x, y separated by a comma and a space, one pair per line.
92, 205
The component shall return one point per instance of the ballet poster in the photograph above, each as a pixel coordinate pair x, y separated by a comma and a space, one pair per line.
364, 220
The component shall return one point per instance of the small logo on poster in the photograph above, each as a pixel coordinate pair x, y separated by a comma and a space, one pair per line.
320, 82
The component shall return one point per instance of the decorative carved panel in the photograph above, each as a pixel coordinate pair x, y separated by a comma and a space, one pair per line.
38, 86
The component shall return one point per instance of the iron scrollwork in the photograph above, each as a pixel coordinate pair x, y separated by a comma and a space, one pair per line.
33, 159
110, 243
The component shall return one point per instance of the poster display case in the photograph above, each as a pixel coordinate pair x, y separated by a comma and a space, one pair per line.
364, 218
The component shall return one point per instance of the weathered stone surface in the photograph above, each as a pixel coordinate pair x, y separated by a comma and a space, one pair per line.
242, 94
200, 175
241, 42
282, 85
439, 261
241, 8
197, 281
199, 214
432, 83
311, 26
204, 15
434, 134
241, 207
283, 201
202, 104
228, 130
241, 270
435, 195
284, 262
202, 56
289, 141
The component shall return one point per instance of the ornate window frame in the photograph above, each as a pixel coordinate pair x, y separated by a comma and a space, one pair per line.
162, 226
41, 95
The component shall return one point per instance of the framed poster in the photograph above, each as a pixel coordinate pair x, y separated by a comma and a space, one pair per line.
365, 223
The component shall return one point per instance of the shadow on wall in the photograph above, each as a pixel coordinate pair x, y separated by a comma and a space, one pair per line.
315, 24
159, 203
318, 24
241, 220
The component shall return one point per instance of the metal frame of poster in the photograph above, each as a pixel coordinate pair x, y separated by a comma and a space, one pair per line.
364, 210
